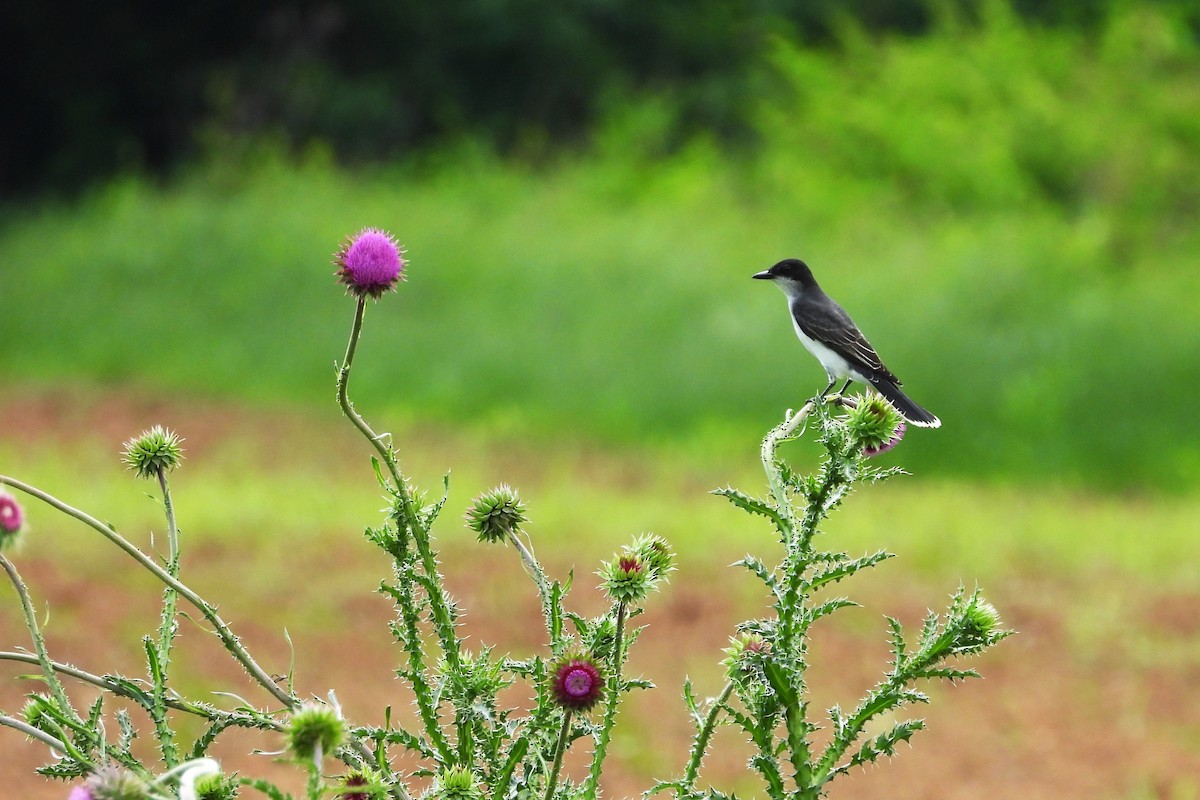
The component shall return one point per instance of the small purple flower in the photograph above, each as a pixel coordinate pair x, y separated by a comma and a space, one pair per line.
370, 263
883, 447
576, 683
12, 517
79, 793
12, 520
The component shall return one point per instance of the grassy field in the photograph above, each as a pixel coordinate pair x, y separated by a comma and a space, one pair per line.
1018, 242
1101, 589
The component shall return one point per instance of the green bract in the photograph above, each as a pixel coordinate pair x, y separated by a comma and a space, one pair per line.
872, 423
626, 579
314, 726
153, 452
497, 514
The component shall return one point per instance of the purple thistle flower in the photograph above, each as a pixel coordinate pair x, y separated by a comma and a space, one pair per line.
12, 520
369, 263
883, 447
79, 793
576, 683
12, 517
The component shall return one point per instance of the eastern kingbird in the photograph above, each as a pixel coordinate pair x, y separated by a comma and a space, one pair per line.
827, 331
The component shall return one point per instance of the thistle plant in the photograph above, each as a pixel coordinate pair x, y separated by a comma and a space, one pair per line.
467, 743
766, 693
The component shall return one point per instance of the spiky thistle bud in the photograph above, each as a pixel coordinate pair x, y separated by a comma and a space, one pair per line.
153, 452
655, 552
35, 709
981, 623
216, 787
454, 783
497, 514
626, 579
874, 426
576, 682
12, 520
314, 730
369, 263
745, 654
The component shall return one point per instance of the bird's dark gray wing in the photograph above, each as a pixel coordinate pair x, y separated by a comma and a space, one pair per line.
828, 323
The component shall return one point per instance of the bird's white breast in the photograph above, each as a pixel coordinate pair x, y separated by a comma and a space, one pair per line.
835, 366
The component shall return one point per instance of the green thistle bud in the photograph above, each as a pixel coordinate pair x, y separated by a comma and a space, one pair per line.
626, 580
153, 452
35, 709
455, 783
656, 553
314, 730
497, 514
981, 622
874, 426
216, 787
745, 654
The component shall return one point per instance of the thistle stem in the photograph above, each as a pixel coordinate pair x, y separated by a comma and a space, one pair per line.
228, 639
33, 733
166, 634
611, 702
172, 528
559, 749
39, 642
439, 607
343, 389
703, 736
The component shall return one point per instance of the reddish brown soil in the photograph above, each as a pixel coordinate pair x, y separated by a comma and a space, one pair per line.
1117, 716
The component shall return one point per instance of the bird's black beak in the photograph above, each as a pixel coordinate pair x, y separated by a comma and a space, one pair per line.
765, 275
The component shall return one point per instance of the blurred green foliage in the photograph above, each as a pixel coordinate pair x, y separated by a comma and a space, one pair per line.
139, 85
1006, 208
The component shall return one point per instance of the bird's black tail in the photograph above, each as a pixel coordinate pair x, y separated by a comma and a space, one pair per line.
904, 404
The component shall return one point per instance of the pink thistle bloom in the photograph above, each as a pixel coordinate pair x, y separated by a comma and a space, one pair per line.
883, 447
12, 517
369, 263
79, 793
576, 683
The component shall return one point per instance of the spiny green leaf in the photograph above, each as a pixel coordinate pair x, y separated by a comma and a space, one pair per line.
845, 569
760, 569
752, 505
885, 743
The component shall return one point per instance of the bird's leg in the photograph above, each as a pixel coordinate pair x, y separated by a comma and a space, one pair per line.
825, 391
845, 386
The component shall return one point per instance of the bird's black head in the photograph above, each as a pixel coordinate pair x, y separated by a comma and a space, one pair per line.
792, 269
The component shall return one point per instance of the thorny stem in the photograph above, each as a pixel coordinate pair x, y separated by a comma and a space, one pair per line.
172, 528
140, 698
439, 606
166, 634
39, 642
700, 746
559, 748
610, 707
535, 571
228, 639
343, 388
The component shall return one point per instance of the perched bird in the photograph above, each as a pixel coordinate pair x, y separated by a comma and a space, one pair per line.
827, 331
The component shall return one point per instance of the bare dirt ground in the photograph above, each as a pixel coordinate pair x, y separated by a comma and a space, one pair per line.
1116, 716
